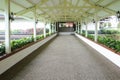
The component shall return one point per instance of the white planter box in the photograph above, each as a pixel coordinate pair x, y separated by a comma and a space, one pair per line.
113, 57
7, 63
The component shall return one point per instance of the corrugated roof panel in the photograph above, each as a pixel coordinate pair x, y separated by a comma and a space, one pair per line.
2, 4
105, 2
102, 13
62, 7
115, 6
81, 3
24, 3
15, 8
35, 1
29, 14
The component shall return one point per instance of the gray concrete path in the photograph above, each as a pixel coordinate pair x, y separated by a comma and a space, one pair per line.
67, 58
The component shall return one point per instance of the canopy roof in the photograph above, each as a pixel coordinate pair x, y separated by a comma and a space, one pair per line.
62, 10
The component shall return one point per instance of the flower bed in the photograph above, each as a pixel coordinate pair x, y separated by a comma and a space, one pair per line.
108, 42
11, 59
16, 44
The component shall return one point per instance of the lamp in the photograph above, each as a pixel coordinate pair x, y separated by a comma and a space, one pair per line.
118, 15
11, 17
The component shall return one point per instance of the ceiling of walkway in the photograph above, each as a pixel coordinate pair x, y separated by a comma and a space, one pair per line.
63, 10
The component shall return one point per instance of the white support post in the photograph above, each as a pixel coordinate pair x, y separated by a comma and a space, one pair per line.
34, 29
35, 32
81, 27
44, 30
7, 29
96, 28
86, 30
78, 27
49, 28
55, 27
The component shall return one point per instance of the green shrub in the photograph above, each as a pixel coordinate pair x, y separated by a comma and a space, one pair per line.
109, 31
90, 36
40, 37
83, 34
109, 42
47, 34
15, 44
2, 49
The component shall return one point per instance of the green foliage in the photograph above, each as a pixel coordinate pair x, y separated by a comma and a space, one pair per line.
15, 44
83, 34
109, 42
47, 34
110, 32
40, 37
90, 36
2, 49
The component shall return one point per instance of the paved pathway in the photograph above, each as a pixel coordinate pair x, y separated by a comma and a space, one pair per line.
66, 58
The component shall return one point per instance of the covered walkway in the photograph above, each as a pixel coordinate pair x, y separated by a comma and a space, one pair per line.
64, 58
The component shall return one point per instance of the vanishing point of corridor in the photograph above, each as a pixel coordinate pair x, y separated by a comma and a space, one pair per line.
67, 58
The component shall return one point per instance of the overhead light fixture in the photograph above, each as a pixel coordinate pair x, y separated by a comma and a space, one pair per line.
118, 15
11, 17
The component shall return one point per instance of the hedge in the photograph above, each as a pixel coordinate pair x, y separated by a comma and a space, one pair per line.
109, 42
15, 44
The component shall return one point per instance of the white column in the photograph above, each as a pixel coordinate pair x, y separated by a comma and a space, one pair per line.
81, 27
78, 27
49, 28
96, 30
55, 27
7, 28
35, 32
44, 30
86, 30
34, 29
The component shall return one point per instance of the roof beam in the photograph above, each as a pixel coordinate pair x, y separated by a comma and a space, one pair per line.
77, 2
18, 4
99, 1
31, 8
25, 11
100, 7
30, 2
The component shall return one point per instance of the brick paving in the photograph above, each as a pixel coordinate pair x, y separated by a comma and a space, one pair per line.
67, 58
